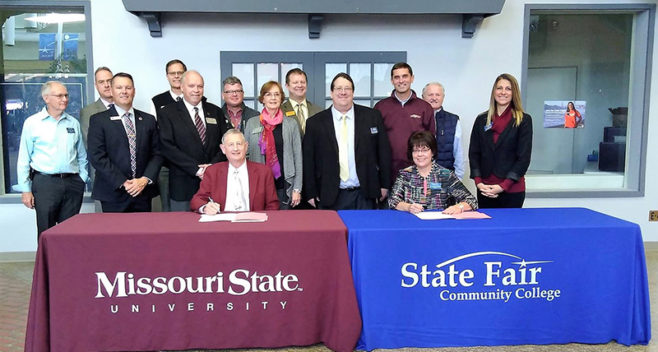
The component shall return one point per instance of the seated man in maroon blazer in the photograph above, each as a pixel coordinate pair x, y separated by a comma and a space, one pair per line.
236, 184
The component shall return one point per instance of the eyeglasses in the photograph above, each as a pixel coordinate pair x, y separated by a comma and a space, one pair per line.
176, 73
422, 150
231, 92
60, 96
343, 89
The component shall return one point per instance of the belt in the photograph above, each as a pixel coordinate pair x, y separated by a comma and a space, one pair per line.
62, 175
350, 189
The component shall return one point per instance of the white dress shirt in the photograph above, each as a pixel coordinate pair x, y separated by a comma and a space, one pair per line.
190, 109
232, 185
353, 180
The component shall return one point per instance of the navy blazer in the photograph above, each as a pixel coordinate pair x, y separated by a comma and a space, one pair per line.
183, 149
509, 157
372, 155
109, 154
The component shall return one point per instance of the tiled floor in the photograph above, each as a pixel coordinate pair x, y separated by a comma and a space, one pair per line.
15, 282
16, 279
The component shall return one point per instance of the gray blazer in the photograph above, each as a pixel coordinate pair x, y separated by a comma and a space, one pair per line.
292, 150
85, 114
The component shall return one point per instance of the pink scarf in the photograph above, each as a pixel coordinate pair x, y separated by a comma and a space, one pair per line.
266, 142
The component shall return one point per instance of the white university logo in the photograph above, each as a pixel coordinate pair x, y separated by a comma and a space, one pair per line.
209, 293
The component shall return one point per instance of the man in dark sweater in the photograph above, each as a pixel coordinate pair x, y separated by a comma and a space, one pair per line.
174, 69
448, 130
403, 113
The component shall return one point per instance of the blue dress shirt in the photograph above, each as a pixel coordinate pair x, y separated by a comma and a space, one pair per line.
50, 146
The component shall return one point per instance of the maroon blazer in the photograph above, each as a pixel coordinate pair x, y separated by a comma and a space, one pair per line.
262, 192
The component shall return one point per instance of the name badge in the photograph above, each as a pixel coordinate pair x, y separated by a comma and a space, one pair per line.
290, 113
414, 116
115, 118
211, 120
488, 127
70, 130
373, 130
435, 185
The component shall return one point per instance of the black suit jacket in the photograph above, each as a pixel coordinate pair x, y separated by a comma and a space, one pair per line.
182, 147
109, 154
509, 157
372, 155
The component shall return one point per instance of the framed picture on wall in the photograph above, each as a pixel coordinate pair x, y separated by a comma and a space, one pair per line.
564, 113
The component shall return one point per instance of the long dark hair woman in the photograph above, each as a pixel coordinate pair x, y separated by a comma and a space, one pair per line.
572, 117
501, 144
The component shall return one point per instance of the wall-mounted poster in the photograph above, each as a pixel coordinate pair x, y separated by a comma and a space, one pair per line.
564, 113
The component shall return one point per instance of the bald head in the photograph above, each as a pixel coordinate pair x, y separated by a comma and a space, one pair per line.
192, 86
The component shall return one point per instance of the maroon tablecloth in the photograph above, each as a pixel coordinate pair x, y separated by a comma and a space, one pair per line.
155, 281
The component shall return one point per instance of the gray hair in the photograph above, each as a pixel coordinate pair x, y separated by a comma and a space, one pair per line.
433, 84
45, 88
231, 80
232, 131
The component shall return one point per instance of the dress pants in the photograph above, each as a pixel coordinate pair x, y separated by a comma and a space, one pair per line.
179, 205
131, 205
163, 187
56, 198
351, 199
504, 200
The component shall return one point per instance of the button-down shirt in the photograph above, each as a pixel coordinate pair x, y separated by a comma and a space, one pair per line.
232, 185
353, 180
106, 103
153, 110
457, 149
235, 118
120, 111
50, 146
190, 110
400, 100
304, 107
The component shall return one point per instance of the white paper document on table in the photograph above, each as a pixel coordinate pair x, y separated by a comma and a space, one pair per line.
433, 215
437, 215
234, 217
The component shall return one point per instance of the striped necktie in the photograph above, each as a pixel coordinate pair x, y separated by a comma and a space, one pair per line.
200, 127
132, 142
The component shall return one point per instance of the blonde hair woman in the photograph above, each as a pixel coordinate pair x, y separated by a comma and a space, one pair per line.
501, 144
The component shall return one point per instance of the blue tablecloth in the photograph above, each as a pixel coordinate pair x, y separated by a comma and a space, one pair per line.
525, 276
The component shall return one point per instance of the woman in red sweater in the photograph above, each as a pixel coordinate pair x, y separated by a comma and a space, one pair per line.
572, 117
501, 144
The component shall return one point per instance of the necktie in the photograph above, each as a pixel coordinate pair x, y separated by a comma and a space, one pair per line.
132, 142
240, 203
199, 125
178, 99
342, 151
300, 117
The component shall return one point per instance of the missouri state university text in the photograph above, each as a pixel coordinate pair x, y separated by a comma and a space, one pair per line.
239, 282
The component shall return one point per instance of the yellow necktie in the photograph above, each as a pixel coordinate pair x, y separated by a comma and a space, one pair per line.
342, 151
300, 117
